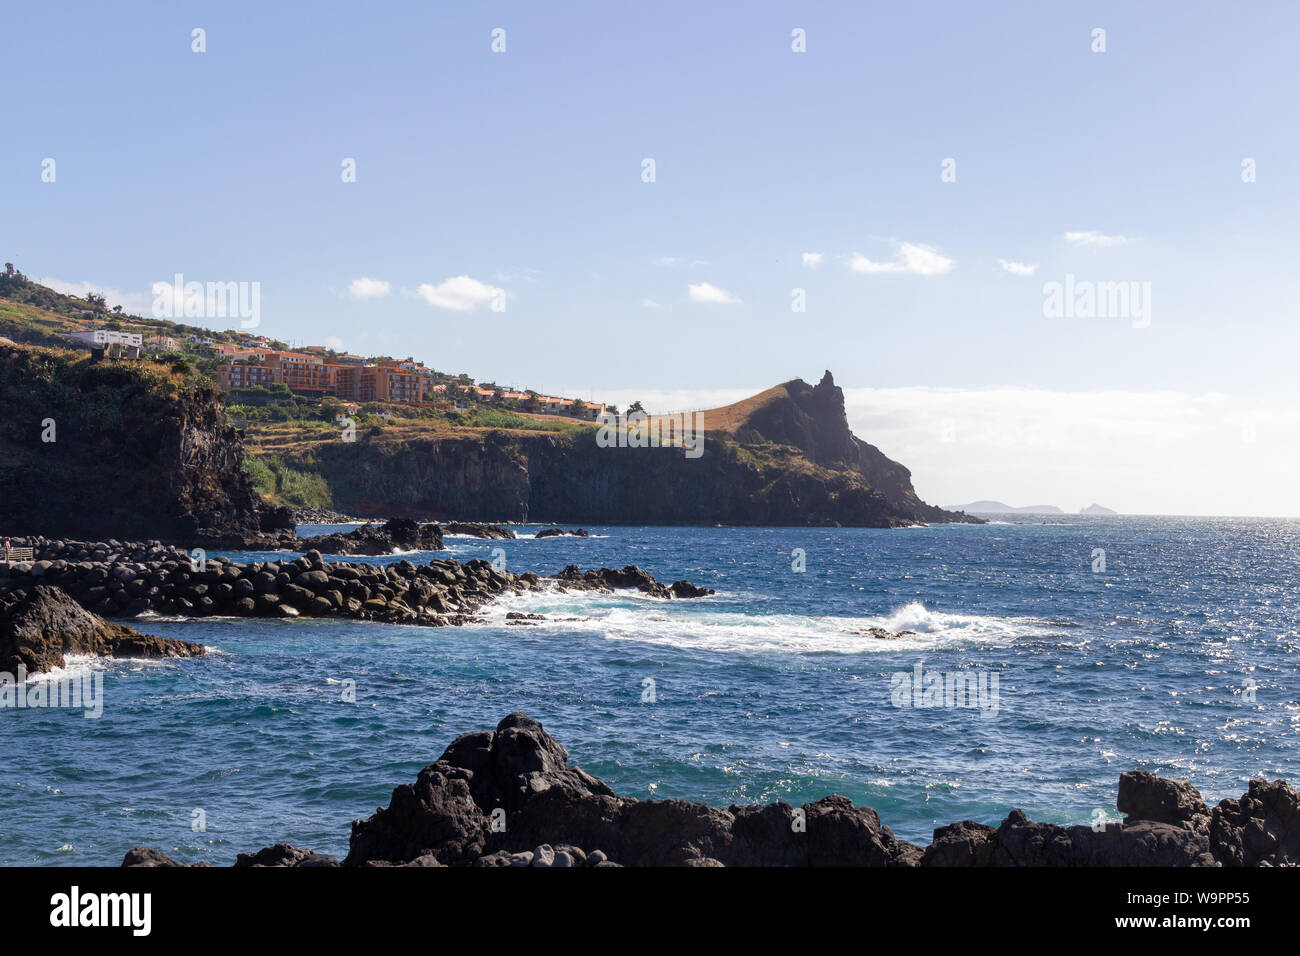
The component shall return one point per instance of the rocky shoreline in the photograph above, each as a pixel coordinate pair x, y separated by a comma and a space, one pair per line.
510, 798
39, 625
127, 579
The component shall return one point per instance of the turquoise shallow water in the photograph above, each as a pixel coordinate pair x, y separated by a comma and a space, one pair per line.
1181, 657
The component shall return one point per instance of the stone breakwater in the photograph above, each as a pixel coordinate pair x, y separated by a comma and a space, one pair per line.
510, 798
126, 579
372, 538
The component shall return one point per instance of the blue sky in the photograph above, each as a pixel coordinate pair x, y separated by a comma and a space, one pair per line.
523, 172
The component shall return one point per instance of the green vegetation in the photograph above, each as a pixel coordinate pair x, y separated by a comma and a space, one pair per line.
283, 484
481, 417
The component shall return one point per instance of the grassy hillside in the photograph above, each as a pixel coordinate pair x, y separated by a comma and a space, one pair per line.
33, 314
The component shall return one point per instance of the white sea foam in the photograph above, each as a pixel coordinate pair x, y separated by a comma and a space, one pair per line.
696, 625
75, 666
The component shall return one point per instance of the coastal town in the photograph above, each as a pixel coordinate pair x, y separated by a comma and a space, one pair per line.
247, 366
315, 371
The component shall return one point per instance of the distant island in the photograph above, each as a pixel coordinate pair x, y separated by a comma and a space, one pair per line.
1000, 508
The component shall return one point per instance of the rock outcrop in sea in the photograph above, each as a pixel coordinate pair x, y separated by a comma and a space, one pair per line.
40, 624
510, 798
395, 534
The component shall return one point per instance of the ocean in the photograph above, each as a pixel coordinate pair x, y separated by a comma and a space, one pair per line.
1101, 644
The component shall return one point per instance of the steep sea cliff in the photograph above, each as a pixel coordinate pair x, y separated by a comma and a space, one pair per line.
786, 458
116, 449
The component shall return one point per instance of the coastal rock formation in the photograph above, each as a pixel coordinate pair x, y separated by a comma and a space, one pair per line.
557, 532
783, 457
609, 579
1260, 829
320, 516
510, 798
39, 625
882, 633
125, 579
395, 534
282, 854
118, 449
476, 530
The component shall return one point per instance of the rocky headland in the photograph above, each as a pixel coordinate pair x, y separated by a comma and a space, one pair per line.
510, 798
783, 457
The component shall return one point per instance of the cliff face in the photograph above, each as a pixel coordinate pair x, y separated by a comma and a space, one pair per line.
557, 479
812, 418
790, 461
137, 452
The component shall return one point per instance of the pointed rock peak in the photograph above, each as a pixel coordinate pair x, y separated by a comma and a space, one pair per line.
828, 380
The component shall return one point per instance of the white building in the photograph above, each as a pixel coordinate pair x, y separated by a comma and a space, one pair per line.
99, 338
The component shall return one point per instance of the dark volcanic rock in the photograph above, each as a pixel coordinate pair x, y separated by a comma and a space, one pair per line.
1144, 796
883, 634
396, 534
125, 579
609, 579
1260, 829
37, 629
792, 460
1166, 825
476, 530
556, 532
146, 856
513, 792
282, 854
511, 798
1019, 842
165, 463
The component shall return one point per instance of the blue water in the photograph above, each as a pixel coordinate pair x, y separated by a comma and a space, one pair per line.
761, 693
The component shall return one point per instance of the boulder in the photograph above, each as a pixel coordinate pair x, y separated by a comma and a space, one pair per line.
37, 630
1262, 828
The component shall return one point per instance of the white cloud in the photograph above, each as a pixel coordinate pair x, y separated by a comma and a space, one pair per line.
1095, 239
364, 288
650, 304
705, 292
1018, 268
909, 257
334, 342
459, 293
136, 303
812, 259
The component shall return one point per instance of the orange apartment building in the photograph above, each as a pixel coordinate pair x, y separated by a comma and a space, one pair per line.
244, 376
311, 374
378, 383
